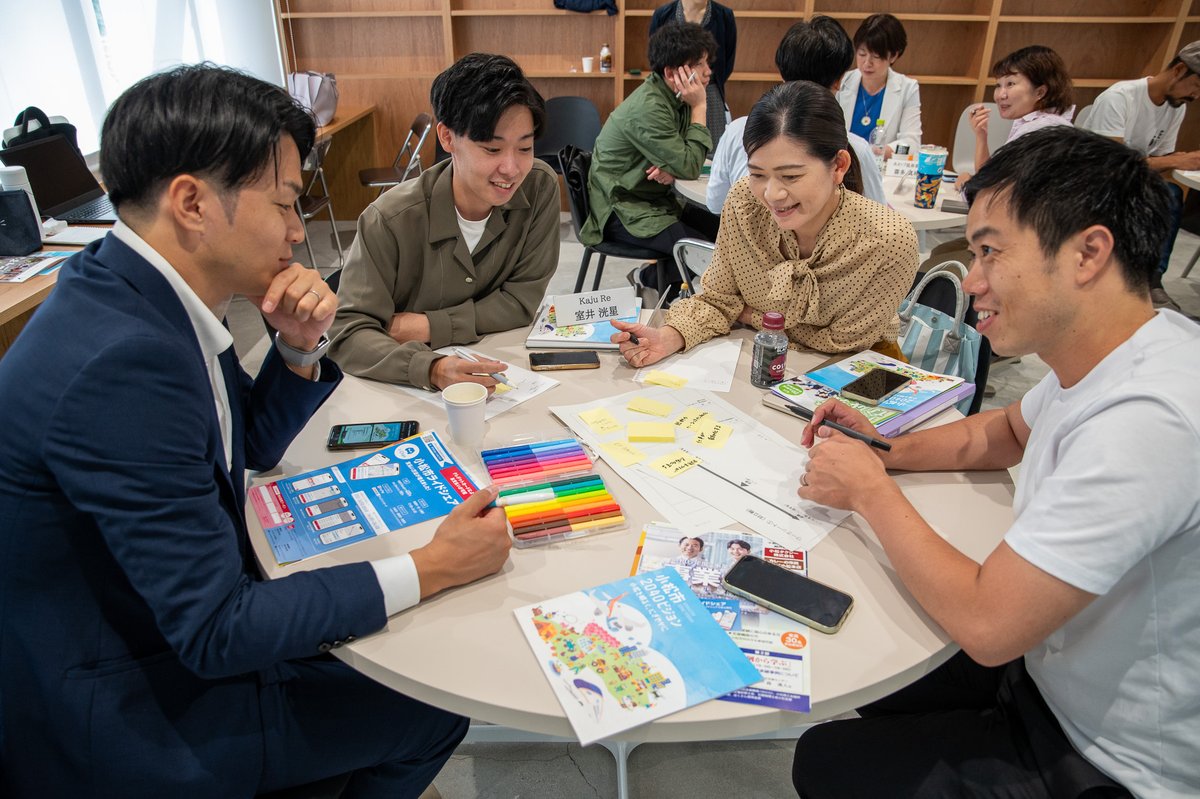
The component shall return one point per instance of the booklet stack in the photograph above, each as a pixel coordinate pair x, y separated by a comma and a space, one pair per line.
928, 394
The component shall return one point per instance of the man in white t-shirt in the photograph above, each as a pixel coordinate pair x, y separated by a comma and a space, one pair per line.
819, 51
1081, 631
1146, 114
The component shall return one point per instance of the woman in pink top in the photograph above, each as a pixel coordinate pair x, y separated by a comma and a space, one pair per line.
1033, 89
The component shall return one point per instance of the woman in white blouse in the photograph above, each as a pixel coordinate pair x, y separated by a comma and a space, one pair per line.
875, 91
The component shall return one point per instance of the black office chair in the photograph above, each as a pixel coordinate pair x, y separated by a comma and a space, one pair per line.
569, 120
407, 163
941, 295
575, 165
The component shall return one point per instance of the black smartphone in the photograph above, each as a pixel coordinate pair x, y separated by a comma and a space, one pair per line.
874, 386
794, 595
566, 359
369, 434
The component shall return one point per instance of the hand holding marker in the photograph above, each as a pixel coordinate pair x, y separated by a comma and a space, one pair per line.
466, 356
691, 79
655, 319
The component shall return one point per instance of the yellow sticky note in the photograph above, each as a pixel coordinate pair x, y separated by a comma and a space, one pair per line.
502, 389
600, 420
624, 453
652, 407
674, 464
691, 418
713, 434
651, 431
667, 379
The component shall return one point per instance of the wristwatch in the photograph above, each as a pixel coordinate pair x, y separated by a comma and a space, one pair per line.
299, 358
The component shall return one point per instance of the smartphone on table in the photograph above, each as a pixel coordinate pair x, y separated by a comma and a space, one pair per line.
369, 435
794, 595
565, 359
875, 385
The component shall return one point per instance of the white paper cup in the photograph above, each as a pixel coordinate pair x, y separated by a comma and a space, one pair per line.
465, 403
588, 63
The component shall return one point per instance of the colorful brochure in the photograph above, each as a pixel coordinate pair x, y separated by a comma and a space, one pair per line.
775, 644
889, 422
622, 654
924, 386
19, 268
366, 496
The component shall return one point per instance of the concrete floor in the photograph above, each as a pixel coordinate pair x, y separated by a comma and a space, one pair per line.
744, 769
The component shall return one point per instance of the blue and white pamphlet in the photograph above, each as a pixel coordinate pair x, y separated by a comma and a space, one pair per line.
546, 333
924, 386
366, 496
622, 654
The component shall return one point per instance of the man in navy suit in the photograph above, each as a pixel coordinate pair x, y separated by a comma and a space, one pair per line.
140, 652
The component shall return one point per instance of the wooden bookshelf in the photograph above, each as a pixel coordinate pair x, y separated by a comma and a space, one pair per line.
386, 52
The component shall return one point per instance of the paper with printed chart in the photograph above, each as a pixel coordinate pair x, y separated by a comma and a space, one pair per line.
523, 385
723, 466
709, 367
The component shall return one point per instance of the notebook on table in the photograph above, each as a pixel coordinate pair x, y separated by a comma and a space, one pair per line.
62, 183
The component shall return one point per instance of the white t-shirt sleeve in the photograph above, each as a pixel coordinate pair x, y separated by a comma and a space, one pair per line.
1110, 115
1095, 515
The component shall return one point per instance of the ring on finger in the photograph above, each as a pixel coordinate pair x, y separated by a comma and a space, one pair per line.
315, 293
804, 479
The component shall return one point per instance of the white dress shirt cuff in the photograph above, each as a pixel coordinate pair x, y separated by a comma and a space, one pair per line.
400, 582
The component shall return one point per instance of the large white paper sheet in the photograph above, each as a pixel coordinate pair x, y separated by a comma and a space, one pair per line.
524, 385
709, 367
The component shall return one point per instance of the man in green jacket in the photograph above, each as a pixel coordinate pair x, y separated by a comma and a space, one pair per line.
462, 251
656, 136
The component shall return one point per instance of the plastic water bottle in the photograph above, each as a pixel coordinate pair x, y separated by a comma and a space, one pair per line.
770, 352
606, 63
878, 144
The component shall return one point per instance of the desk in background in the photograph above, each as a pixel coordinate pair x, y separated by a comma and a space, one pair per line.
353, 148
463, 651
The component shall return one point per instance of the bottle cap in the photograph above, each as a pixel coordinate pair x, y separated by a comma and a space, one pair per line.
772, 321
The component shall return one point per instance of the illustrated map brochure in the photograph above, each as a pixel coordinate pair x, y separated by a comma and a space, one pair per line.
360, 498
709, 466
622, 654
545, 334
924, 386
709, 366
522, 385
776, 645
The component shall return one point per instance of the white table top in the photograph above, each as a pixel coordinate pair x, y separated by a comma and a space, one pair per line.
463, 651
921, 218
1189, 178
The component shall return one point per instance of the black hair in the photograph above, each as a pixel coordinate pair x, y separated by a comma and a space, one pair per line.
807, 114
1061, 180
200, 119
882, 35
818, 50
743, 544
472, 93
692, 538
678, 44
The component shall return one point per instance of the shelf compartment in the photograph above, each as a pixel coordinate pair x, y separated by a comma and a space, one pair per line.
387, 46
1130, 50
905, 7
1066, 9
541, 44
359, 8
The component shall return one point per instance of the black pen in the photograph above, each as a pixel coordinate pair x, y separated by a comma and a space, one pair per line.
805, 413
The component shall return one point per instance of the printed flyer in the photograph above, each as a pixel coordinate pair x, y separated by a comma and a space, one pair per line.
776, 645
366, 496
632, 651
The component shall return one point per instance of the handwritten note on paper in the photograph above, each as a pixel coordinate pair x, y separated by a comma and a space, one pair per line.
674, 464
713, 434
652, 407
691, 418
601, 421
660, 378
624, 453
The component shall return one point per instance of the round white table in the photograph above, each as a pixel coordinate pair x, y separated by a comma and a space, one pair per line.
900, 197
462, 650
1191, 179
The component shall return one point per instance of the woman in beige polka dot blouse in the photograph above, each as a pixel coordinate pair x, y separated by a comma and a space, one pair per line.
795, 238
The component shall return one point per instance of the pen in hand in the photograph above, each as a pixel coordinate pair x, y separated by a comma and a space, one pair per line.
466, 356
805, 413
691, 79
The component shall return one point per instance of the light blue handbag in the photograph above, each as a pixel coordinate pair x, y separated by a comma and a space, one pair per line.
936, 340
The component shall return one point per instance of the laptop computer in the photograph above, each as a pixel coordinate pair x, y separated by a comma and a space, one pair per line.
61, 181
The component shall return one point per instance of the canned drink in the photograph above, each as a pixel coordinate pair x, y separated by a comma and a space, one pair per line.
931, 162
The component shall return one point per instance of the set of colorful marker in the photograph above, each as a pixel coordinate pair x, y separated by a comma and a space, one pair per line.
563, 506
542, 460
